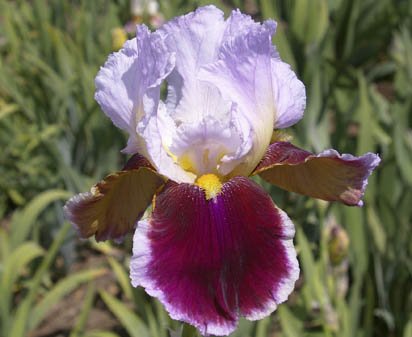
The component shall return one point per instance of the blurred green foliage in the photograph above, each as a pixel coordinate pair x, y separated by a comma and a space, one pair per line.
355, 58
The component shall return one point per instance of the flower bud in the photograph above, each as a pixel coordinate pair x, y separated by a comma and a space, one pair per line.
119, 37
338, 244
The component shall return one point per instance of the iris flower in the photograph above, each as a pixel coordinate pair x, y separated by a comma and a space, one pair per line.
214, 247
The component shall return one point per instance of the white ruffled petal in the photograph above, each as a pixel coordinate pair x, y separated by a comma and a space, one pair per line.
128, 85
243, 75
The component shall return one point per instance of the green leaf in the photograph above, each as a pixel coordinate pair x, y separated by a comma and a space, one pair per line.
283, 46
310, 19
355, 224
23, 311
262, 327
269, 10
20, 257
23, 220
347, 16
309, 267
364, 112
98, 333
7, 109
189, 331
291, 326
80, 325
402, 140
407, 332
245, 329
122, 277
61, 289
4, 246
12, 267
377, 229
130, 321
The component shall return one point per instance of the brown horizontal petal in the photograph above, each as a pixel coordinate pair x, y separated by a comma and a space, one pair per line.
329, 175
114, 205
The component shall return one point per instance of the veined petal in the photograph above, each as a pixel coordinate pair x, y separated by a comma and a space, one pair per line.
195, 38
130, 79
328, 175
243, 75
211, 261
114, 205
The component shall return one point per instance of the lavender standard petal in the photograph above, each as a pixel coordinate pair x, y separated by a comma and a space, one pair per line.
128, 85
196, 42
243, 75
289, 94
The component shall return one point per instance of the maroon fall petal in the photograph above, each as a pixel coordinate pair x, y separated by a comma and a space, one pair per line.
136, 161
212, 261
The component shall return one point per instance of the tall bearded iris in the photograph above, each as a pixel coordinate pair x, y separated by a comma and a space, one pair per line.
215, 247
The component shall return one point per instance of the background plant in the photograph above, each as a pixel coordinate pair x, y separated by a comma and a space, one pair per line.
355, 58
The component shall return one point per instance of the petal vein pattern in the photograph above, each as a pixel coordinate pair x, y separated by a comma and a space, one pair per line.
211, 261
